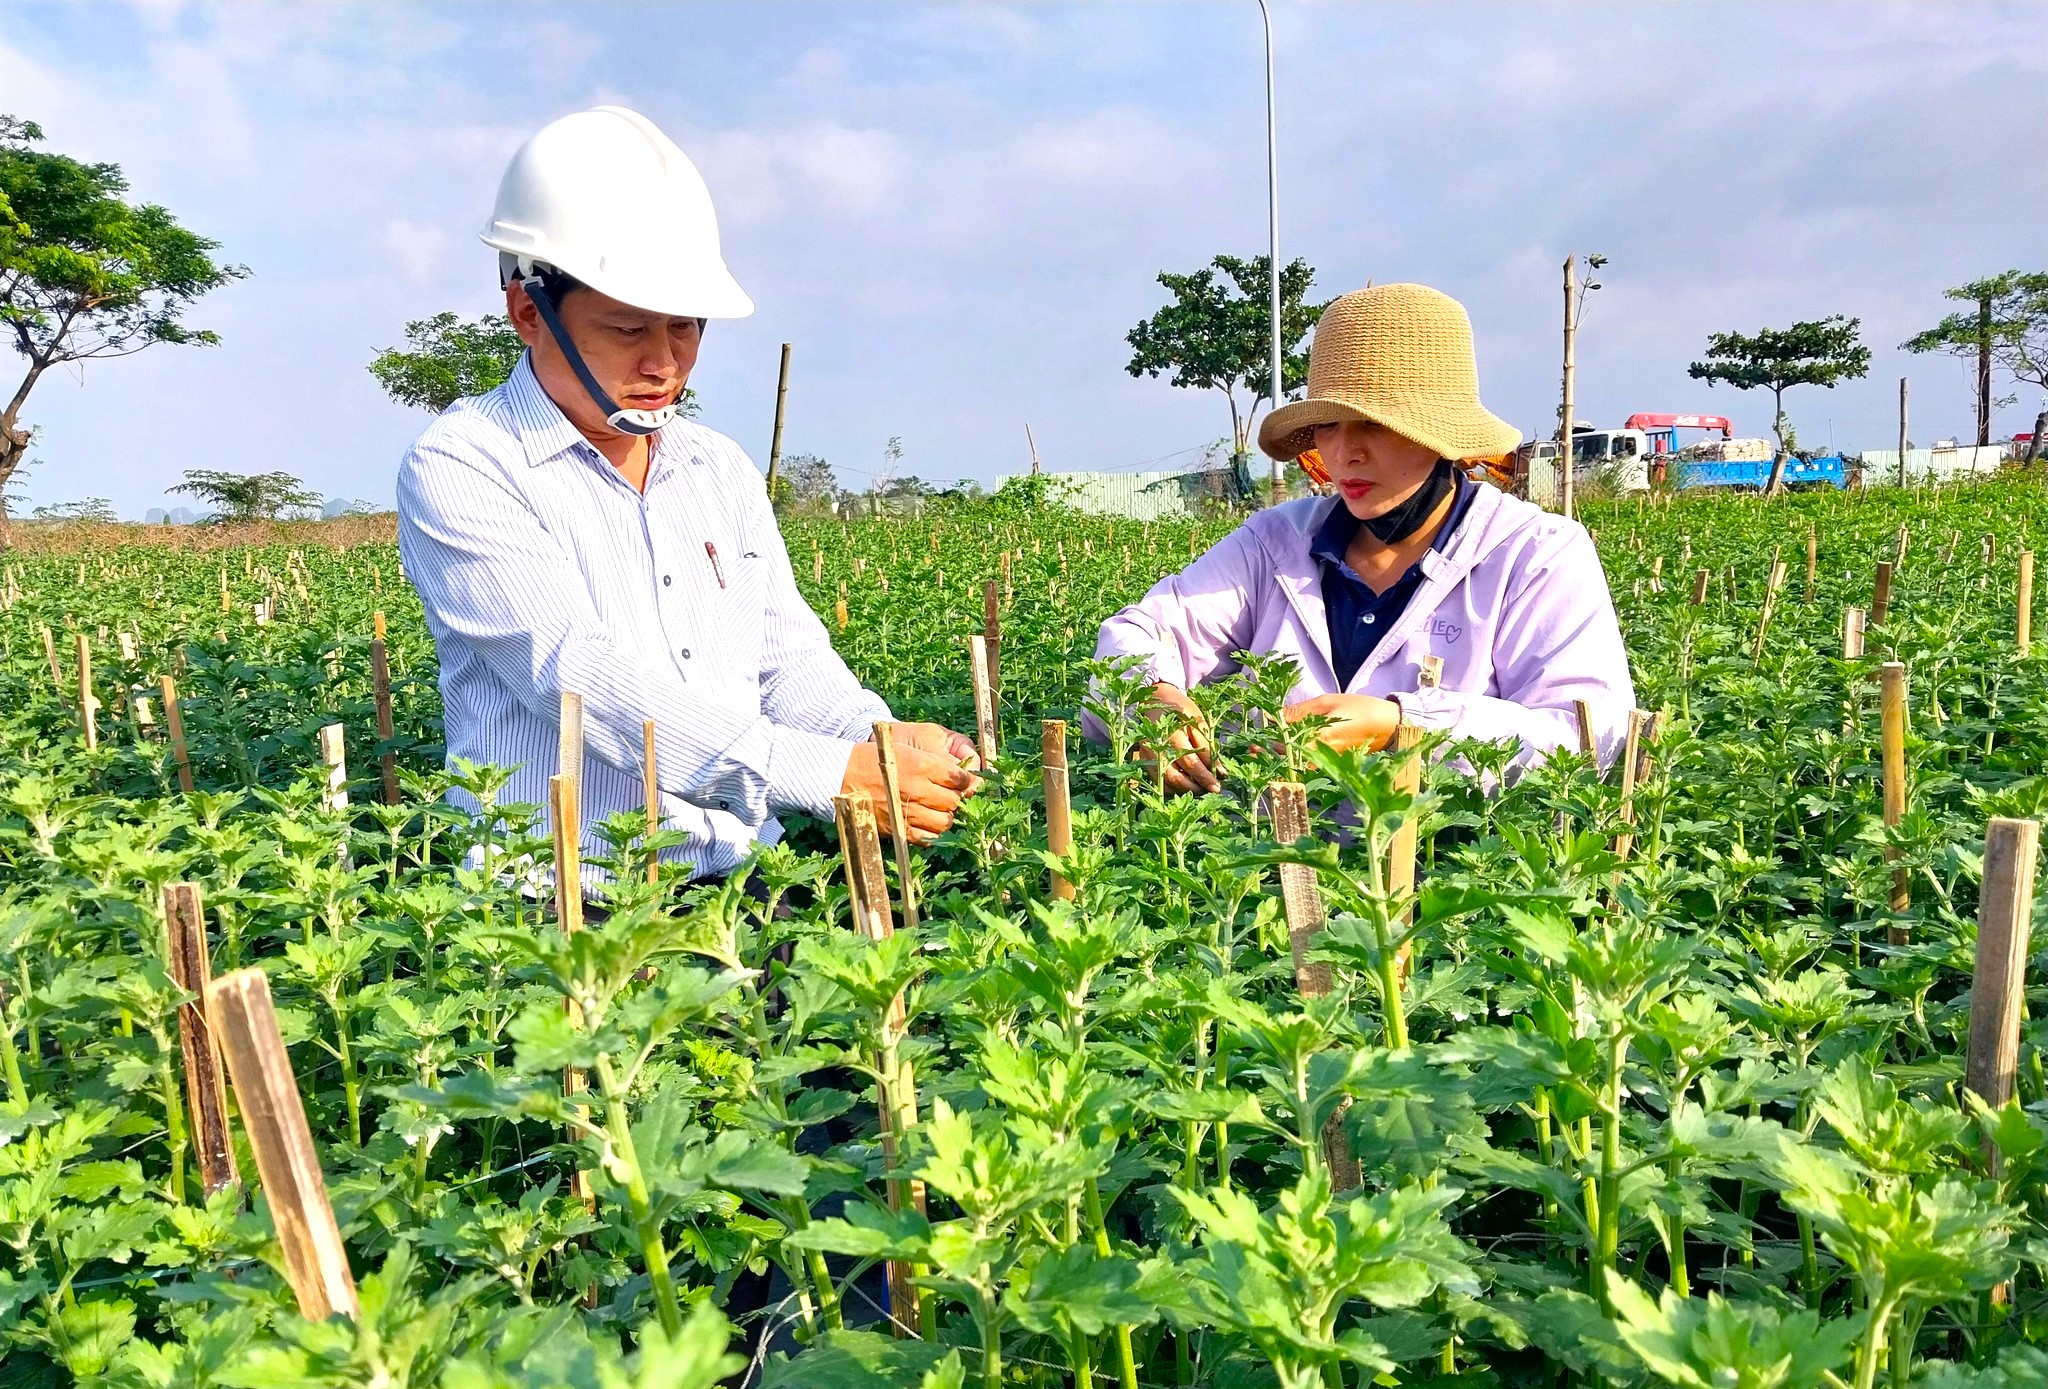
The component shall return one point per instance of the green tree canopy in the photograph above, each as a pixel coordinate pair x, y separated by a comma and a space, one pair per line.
806, 481
84, 273
448, 358
1816, 353
90, 509
1216, 335
249, 496
2006, 328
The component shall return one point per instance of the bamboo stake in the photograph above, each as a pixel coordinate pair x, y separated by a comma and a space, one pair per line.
1812, 561
1852, 634
1631, 752
1892, 732
1430, 673
1881, 595
2023, 626
1763, 623
569, 744
1998, 989
1401, 848
1589, 743
87, 705
839, 611
860, 849
315, 1261
50, 655
205, 1091
1899, 560
1059, 806
333, 753
174, 725
984, 702
651, 783
1700, 579
992, 633
380, 684
565, 814
1302, 899
899, 827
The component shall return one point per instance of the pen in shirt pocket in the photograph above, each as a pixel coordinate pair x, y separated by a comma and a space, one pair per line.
717, 569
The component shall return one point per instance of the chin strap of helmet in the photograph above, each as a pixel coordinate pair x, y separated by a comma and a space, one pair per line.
623, 420
1397, 525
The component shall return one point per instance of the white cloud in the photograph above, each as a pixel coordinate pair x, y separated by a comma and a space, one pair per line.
414, 248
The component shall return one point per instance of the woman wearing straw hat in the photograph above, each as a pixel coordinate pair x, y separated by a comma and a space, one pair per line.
1410, 559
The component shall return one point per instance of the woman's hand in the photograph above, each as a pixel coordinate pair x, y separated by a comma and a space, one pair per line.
1356, 721
1190, 769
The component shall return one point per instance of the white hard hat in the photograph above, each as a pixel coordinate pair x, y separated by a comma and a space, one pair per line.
605, 197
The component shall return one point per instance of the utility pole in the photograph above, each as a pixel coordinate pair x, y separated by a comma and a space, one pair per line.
1273, 225
1034, 450
1571, 369
775, 443
1902, 431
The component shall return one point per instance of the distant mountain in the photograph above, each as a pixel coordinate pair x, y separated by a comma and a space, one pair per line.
153, 517
176, 516
343, 506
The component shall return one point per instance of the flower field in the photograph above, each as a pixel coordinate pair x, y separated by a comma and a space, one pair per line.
1667, 1076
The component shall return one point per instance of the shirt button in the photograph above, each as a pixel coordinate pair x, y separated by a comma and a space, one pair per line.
686, 653
1367, 619
666, 581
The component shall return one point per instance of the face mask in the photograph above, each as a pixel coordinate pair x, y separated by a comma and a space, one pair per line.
1407, 518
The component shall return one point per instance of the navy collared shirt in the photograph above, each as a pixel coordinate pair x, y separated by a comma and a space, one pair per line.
1358, 615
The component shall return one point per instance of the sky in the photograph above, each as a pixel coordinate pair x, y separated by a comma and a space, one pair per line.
955, 212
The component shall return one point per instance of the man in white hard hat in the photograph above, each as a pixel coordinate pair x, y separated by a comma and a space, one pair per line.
569, 531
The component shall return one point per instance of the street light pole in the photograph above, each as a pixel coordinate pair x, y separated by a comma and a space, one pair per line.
1272, 223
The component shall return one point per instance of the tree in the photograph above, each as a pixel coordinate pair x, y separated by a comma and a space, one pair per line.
1816, 353
2008, 329
85, 274
451, 357
91, 509
249, 496
806, 480
1217, 336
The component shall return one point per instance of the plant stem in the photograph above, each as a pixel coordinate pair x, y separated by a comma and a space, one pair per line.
1610, 1168
619, 1137
174, 1120
1127, 1360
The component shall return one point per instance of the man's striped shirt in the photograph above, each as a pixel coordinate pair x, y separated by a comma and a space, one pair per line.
542, 570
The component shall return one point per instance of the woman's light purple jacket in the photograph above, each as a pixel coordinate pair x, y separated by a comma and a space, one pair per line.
1516, 604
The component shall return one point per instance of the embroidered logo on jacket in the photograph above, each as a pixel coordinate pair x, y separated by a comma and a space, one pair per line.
1449, 631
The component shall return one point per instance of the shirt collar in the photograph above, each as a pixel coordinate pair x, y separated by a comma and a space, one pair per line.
543, 430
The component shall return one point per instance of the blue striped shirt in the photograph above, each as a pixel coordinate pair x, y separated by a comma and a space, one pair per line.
542, 570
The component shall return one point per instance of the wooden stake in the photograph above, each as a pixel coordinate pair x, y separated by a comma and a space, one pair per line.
1430, 673
1899, 560
839, 611
380, 686
1401, 848
860, 849
205, 1091
1700, 579
174, 725
1763, 623
334, 754
1892, 733
1852, 634
899, 828
565, 814
1881, 595
2023, 626
775, 440
1302, 899
87, 705
1998, 989
652, 785
984, 702
1631, 753
992, 633
569, 744
1812, 560
1059, 806
1589, 743
50, 655
315, 1262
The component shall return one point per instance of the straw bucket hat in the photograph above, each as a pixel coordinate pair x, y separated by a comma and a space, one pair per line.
1400, 356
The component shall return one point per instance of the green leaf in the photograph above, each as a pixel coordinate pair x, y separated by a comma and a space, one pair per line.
866, 1232
1717, 1344
1078, 1290
854, 1360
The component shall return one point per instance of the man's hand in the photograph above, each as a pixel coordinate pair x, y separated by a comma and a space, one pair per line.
941, 740
932, 785
1356, 721
1189, 770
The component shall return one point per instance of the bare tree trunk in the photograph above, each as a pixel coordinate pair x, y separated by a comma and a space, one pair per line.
1777, 482
2034, 444
13, 449
1983, 372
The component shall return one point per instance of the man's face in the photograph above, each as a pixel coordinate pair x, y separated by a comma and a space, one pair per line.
641, 359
